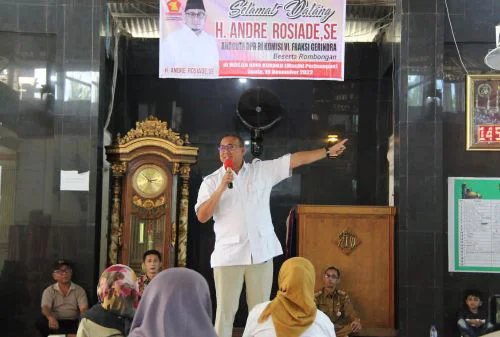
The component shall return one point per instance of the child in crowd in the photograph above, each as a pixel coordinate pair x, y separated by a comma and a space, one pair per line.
151, 265
472, 318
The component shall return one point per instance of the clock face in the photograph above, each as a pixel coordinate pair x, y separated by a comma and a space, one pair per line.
149, 180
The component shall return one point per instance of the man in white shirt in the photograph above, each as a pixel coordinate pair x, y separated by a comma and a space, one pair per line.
189, 51
245, 242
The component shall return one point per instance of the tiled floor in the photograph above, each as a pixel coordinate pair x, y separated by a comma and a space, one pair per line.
238, 332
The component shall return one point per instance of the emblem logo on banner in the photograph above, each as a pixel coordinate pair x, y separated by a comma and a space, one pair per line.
174, 6
291, 39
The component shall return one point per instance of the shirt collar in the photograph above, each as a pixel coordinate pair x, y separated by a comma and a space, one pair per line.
71, 287
330, 295
190, 31
244, 167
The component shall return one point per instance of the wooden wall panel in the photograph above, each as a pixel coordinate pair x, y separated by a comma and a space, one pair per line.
368, 271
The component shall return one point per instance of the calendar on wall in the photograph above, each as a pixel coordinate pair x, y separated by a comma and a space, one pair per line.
474, 225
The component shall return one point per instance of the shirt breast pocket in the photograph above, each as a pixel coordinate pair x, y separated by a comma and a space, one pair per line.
324, 307
227, 201
229, 240
229, 245
257, 193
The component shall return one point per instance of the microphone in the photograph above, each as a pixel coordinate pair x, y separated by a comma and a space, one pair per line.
228, 165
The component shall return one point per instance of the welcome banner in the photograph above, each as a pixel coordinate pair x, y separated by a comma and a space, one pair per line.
287, 39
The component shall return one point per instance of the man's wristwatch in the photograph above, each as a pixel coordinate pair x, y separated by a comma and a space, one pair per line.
327, 149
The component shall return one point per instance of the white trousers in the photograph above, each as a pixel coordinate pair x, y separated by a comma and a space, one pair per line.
258, 280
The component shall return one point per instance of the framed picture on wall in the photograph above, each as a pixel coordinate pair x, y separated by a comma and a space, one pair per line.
483, 112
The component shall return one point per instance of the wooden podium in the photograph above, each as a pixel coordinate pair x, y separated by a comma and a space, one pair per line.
359, 240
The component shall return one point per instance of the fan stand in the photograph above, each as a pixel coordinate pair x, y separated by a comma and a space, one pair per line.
256, 133
257, 147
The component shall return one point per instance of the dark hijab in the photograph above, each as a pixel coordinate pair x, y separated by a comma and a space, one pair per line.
175, 303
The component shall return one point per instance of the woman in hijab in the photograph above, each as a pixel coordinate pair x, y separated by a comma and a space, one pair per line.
176, 303
117, 294
292, 313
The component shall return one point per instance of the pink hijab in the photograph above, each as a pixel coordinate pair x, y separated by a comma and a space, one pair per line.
117, 290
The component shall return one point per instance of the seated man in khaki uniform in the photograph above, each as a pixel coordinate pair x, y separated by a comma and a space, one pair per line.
336, 304
62, 303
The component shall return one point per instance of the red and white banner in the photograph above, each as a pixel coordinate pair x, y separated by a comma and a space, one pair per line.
288, 39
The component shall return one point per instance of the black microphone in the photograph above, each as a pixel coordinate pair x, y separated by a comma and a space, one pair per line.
228, 165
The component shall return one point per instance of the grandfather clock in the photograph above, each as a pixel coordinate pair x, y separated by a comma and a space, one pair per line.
150, 194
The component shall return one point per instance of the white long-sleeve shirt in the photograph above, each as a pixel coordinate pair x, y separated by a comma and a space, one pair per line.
321, 327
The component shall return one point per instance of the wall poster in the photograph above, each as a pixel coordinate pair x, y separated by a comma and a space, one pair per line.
287, 39
474, 225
